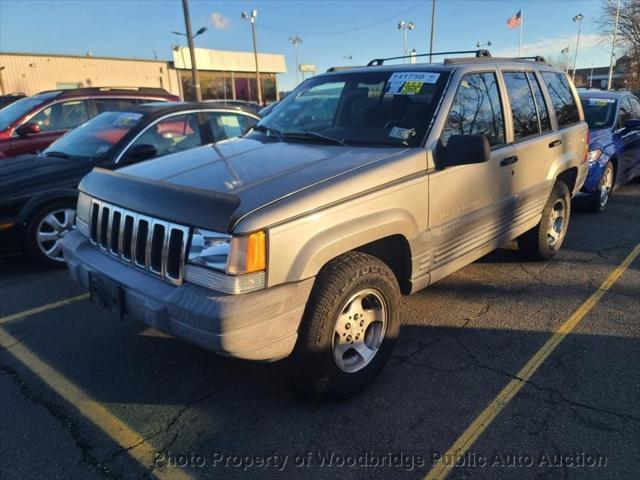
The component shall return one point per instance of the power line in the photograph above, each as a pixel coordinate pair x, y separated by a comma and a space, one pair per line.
342, 32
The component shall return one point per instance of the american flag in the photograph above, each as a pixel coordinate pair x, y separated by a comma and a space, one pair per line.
515, 21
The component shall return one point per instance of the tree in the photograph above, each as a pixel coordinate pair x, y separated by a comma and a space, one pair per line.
628, 36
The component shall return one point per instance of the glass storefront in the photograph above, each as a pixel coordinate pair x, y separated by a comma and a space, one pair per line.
227, 86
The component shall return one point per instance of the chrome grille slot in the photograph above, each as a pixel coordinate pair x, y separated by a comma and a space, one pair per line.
141, 243
103, 226
150, 244
127, 235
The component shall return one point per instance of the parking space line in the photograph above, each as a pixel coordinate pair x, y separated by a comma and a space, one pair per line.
442, 468
124, 436
43, 308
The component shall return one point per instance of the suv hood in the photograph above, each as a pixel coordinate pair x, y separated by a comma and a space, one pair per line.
32, 174
260, 173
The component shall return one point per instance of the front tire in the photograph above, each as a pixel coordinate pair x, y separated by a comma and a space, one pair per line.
544, 240
45, 231
349, 328
597, 201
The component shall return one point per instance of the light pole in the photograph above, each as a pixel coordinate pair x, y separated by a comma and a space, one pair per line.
591, 77
252, 19
613, 47
296, 41
192, 53
433, 26
405, 27
578, 18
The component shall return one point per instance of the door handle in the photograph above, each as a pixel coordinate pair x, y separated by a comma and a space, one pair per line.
508, 161
555, 143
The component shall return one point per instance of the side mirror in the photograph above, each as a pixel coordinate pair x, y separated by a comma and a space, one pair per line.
141, 152
462, 150
632, 124
27, 129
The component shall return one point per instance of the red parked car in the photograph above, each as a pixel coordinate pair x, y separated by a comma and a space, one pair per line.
31, 124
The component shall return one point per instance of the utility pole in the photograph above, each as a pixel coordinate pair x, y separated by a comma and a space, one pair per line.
433, 26
613, 47
578, 18
252, 19
295, 41
192, 52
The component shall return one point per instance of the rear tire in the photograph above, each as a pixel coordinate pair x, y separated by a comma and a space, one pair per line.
597, 201
545, 239
45, 230
349, 328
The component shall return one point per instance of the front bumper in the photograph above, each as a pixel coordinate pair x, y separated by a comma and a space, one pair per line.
261, 325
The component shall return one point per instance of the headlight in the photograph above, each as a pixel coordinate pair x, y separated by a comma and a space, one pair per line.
594, 154
241, 261
83, 213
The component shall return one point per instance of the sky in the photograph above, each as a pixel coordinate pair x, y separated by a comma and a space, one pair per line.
333, 32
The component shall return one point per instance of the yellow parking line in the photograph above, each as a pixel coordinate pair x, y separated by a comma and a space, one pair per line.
442, 468
44, 308
142, 451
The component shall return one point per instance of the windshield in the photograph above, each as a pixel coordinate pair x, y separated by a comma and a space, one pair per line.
599, 112
371, 108
94, 138
16, 110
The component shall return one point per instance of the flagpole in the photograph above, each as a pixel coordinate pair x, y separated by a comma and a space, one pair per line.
521, 25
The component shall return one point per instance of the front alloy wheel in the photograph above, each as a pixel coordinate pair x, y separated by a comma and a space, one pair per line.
349, 327
45, 231
359, 330
52, 229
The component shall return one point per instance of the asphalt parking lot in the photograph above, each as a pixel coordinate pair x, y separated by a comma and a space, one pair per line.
86, 396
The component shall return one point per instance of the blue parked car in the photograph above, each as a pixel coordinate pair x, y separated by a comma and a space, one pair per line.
614, 147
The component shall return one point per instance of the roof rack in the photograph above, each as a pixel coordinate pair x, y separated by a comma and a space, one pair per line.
455, 61
478, 53
82, 90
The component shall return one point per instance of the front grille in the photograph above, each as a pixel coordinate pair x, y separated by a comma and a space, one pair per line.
148, 243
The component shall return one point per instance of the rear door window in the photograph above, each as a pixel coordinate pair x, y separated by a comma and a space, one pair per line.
476, 109
564, 103
61, 116
523, 106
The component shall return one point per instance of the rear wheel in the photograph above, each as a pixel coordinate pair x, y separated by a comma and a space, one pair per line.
349, 327
45, 231
597, 201
545, 239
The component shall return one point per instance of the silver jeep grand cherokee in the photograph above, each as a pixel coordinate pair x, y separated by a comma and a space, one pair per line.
298, 239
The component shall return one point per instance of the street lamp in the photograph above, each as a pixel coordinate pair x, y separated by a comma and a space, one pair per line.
405, 27
192, 53
296, 41
578, 19
483, 44
613, 47
251, 17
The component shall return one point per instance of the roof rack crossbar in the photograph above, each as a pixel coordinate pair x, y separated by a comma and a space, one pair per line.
478, 54
535, 58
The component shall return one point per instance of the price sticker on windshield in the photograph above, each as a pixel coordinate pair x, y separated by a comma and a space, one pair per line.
409, 83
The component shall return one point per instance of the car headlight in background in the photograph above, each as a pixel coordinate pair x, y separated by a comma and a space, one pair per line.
230, 264
594, 155
83, 212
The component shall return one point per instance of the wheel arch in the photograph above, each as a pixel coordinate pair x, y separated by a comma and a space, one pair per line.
36, 202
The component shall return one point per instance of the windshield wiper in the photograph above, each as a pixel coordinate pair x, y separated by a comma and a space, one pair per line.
56, 154
316, 136
265, 129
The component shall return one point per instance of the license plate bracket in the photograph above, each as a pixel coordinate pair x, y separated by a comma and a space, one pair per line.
106, 294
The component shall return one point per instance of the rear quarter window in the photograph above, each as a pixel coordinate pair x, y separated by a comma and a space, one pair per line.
564, 103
